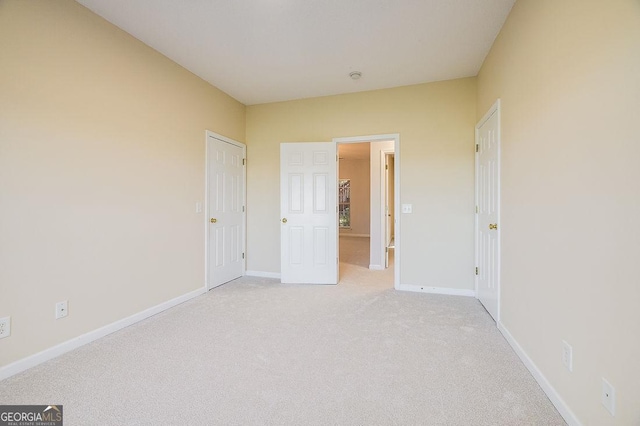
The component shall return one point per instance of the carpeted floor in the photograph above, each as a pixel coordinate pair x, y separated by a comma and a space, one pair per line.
255, 351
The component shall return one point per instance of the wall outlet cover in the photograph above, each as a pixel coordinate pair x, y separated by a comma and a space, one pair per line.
567, 356
62, 309
608, 397
5, 327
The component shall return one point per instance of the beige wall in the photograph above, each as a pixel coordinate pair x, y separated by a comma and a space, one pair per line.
568, 74
101, 162
358, 172
435, 122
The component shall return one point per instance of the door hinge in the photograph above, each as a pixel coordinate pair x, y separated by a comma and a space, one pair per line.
243, 255
386, 167
242, 209
477, 147
244, 161
476, 209
476, 270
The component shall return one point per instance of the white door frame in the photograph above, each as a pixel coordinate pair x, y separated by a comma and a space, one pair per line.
495, 108
210, 134
383, 200
395, 137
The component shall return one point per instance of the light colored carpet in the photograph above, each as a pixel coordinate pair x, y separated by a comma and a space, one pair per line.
255, 351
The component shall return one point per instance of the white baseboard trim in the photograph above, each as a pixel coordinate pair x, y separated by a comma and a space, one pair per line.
57, 350
552, 394
262, 274
347, 234
436, 290
376, 267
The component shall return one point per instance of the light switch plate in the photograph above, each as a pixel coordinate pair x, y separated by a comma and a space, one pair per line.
407, 208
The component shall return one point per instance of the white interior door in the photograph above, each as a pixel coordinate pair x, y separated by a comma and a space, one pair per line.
226, 187
488, 211
309, 218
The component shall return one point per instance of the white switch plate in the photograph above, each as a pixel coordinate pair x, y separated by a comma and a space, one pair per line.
62, 309
407, 208
5, 327
608, 397
198, 207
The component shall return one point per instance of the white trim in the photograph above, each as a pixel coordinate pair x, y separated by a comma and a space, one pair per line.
370, 138
383, 206
489, 113
208, 134
495, 108
436, 290
395, 137
346, 234
262, 274
552, 394
376, 267
64, 347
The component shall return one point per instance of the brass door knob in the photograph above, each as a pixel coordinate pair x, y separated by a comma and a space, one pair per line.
493, 226
214, 220
284, 220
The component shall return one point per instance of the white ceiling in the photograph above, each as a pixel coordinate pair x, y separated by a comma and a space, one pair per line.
262, 51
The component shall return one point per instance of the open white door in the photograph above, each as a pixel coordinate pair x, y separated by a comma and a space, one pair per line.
225, 182
308, 206
488, 211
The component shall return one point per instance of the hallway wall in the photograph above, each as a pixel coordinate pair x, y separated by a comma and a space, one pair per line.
358, 172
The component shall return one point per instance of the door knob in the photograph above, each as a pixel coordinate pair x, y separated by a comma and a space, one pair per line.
493, 226
284, 220
214, 220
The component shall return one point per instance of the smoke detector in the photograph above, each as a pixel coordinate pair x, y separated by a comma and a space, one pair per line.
355, 75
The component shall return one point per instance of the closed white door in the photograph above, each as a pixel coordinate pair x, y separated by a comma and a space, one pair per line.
226, 210
309, 217
488, 211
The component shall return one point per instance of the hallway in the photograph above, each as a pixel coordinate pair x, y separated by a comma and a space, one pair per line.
354, 264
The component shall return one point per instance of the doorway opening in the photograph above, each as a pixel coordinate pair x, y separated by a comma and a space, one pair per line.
368, 176
354, 204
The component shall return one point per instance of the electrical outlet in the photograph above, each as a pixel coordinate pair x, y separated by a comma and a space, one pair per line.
608, 397
5, 327
567, 356
62, 309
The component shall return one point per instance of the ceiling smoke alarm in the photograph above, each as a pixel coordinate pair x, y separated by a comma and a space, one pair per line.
355, 75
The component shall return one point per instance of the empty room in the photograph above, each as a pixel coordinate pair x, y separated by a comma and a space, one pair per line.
290, 212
